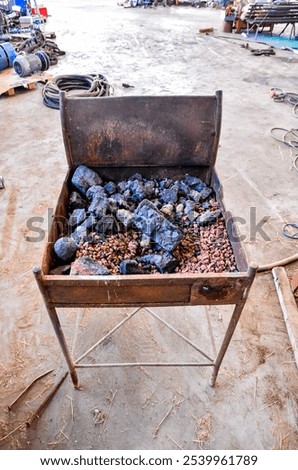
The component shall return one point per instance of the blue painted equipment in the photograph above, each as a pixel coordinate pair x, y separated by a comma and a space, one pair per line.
7, 55
25, 65
23, 5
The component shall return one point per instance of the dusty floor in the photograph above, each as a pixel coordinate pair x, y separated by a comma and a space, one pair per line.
254, 404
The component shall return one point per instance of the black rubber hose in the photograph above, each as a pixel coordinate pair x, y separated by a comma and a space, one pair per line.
79, 85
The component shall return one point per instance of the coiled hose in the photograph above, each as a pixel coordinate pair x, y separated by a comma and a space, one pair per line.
92, 85
280, 96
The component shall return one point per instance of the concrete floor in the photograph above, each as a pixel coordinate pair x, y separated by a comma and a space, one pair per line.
254, 404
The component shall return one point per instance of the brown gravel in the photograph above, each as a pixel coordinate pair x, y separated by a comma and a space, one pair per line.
203, 249
111, 251
206, 249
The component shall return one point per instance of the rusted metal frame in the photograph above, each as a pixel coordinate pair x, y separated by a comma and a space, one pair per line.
75, 364
57, 328
179, 334
106, 336
217, 130
146, 364
232, 324
118, 280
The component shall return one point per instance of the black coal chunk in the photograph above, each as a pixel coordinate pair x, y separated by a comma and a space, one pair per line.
192, 180
205, 193
137, 190
199, 187
195, 196
156, 203
165, 183
105, 226
129, 266
190, 210
84, 177
80, 234
122, 186
76, 202
189, 206
110, 188
65, 248
95, 191
183, 188
152, 223
165, 262
85, 266
99, 205
169, 195
90, 222
136, 176
208, 217
125, 217
117, 201
77, 218
149, 188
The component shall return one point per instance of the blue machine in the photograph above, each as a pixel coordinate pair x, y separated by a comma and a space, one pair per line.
23, 5
7, 55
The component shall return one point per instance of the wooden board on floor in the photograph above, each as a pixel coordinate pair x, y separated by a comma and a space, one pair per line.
288, 306
10, 81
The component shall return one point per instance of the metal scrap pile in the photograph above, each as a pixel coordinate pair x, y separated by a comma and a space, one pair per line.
37, 41
30, 50
18, 17
140, 225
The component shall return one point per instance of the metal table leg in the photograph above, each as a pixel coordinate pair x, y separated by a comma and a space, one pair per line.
58, 330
